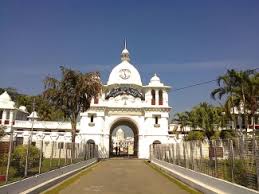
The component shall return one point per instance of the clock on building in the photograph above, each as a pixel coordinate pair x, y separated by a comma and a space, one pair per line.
124, 73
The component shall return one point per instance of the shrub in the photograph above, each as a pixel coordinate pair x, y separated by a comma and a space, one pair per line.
195, 135
12, 171
3, 164
19, 158
227, 134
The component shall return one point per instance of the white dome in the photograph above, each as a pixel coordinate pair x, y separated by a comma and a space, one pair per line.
125, 72
6, 101
125, 51
120, 134
4, 97
155, 78
155, 81
23, 108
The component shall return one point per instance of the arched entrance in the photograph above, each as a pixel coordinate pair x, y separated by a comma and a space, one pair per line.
90, 148
128, 146
156, 142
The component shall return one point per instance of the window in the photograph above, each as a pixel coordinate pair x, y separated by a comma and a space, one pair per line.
160, 94
156, 120
19, 141
60, 145
69, 146
153, 100
1, 113
92, 118
96, 100
33, 143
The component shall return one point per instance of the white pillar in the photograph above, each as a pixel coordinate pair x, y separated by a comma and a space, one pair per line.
11, 117
3, 117
165, 98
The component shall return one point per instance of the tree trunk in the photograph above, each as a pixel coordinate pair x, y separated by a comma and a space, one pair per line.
73, 133
253, 123
233, 115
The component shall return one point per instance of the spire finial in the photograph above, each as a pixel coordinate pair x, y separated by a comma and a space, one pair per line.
125, 43
125, 53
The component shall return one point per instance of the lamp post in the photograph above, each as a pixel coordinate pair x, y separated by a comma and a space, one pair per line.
41, 153
9, 152
29, 140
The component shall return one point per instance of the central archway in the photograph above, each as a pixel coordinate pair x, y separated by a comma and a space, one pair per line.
130, 124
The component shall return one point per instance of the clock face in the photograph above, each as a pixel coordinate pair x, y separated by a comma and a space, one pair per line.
125, 73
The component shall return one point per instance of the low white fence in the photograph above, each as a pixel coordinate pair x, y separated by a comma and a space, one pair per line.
202, 182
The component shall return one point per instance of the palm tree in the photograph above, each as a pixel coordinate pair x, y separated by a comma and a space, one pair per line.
252, 96
205, 117
209, 119
72, 94
227, 85
241, 89
183, 120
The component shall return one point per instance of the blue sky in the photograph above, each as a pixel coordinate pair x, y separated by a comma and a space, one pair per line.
184, 42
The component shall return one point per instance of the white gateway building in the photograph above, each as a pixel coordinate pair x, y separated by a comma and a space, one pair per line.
124, 101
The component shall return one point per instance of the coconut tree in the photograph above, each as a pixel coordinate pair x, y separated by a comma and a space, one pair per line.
208, 119
72, 94
240, 88
252, 96
182, 117
226, 85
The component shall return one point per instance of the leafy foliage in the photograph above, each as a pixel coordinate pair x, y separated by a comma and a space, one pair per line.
241, 89
205, 117
19, 157
195, 135
73, 93
45, 110
2, 131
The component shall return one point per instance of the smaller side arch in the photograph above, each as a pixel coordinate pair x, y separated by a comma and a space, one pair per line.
153, 99
90, 148
90, 141
156, 142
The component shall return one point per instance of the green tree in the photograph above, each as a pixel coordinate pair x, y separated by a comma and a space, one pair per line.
2, 131
204, 120
19, 158
183, 120
46, 111
72, 94
226, 85
252, 97
195, 135
241, 91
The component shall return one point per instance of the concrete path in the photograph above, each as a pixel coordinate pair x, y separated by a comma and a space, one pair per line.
121, 176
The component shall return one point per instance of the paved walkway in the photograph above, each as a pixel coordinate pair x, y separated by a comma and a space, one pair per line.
125, 177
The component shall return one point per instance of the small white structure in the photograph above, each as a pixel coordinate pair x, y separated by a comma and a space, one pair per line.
123, 101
